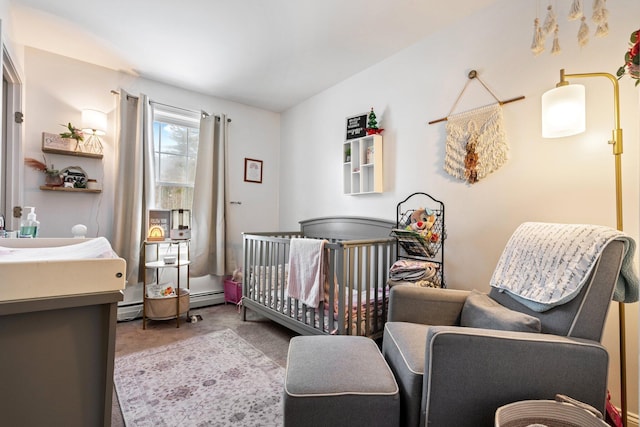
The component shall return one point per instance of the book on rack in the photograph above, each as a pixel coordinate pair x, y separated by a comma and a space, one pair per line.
414, 243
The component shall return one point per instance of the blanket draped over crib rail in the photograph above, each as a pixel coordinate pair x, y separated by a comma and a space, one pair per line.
544, 265
307, 270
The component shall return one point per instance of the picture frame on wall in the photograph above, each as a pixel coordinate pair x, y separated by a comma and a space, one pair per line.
253, 170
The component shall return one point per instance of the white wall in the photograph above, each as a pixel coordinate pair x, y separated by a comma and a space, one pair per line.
566, 180
58, 88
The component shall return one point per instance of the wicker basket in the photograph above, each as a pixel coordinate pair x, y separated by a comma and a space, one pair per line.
563, 412
164, 308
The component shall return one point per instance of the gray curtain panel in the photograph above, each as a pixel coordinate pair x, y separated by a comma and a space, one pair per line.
208, 236
134, 177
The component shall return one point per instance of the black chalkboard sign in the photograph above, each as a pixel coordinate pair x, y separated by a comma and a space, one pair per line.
357, 126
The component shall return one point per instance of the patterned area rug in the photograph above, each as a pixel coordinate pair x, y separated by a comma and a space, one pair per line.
217, 379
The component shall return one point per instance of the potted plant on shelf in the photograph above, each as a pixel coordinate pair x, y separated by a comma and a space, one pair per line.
75, 134
52, 176
347, 154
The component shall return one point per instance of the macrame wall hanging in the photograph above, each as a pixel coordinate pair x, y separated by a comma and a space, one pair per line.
476, 141
600, 17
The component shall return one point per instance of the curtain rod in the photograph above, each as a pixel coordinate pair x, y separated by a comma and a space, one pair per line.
115, 92
178, 108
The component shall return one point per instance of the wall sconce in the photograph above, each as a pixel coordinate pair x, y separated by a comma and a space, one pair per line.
563, 114
94, 124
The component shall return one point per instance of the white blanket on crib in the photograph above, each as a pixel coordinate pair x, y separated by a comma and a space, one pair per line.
87, 249
544, 265
307, 271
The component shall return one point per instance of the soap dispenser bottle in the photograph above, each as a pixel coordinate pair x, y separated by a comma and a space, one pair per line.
30, 226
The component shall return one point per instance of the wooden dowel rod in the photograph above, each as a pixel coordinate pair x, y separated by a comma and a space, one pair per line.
512, 100
444, 119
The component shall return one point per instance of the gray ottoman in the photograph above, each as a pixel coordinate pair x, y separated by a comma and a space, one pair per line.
339, 381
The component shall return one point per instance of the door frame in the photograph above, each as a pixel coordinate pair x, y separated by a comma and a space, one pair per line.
11, 164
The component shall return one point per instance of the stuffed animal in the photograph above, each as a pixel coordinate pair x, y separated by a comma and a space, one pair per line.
421, 221
237, 275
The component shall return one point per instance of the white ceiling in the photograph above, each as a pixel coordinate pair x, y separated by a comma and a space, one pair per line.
270, 54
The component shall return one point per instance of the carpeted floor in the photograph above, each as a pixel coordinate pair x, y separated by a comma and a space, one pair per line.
266, 336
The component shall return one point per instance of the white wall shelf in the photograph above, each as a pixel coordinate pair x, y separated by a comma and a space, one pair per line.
362, 165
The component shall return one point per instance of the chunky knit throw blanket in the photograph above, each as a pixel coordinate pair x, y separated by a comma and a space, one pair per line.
544, 265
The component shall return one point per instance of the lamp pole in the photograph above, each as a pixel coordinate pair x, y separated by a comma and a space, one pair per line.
616, 142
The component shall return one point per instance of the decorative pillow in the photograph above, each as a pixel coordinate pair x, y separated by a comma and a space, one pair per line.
480, 311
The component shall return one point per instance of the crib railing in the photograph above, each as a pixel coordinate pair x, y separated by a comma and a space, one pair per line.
355, 301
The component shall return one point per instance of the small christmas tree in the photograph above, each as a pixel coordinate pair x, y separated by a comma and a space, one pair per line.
372, 124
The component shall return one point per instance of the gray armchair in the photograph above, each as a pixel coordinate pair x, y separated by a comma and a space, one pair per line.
458, 376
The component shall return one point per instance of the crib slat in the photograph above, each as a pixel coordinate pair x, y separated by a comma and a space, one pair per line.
368, 310
281, 278
355, 306
331, 309
343, 263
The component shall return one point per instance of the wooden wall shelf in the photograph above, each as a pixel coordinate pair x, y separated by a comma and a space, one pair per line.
69, 190
72, 153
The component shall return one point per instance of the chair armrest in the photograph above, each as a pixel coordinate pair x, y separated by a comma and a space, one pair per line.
428, 306
471, 372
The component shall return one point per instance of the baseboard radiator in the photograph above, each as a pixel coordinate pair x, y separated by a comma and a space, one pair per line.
133, 310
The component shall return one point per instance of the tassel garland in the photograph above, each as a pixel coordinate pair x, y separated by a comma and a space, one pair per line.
537, 46
555, 49
583, 32
601, 17
576, 10
602, 30
600, 12
549, 22
541, 32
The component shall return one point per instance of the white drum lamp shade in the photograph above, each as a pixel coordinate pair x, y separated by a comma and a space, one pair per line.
94, 122
563, 111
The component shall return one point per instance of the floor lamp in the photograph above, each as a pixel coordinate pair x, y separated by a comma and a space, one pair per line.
563, 114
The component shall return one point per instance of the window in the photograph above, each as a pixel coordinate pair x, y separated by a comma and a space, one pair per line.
175, 146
